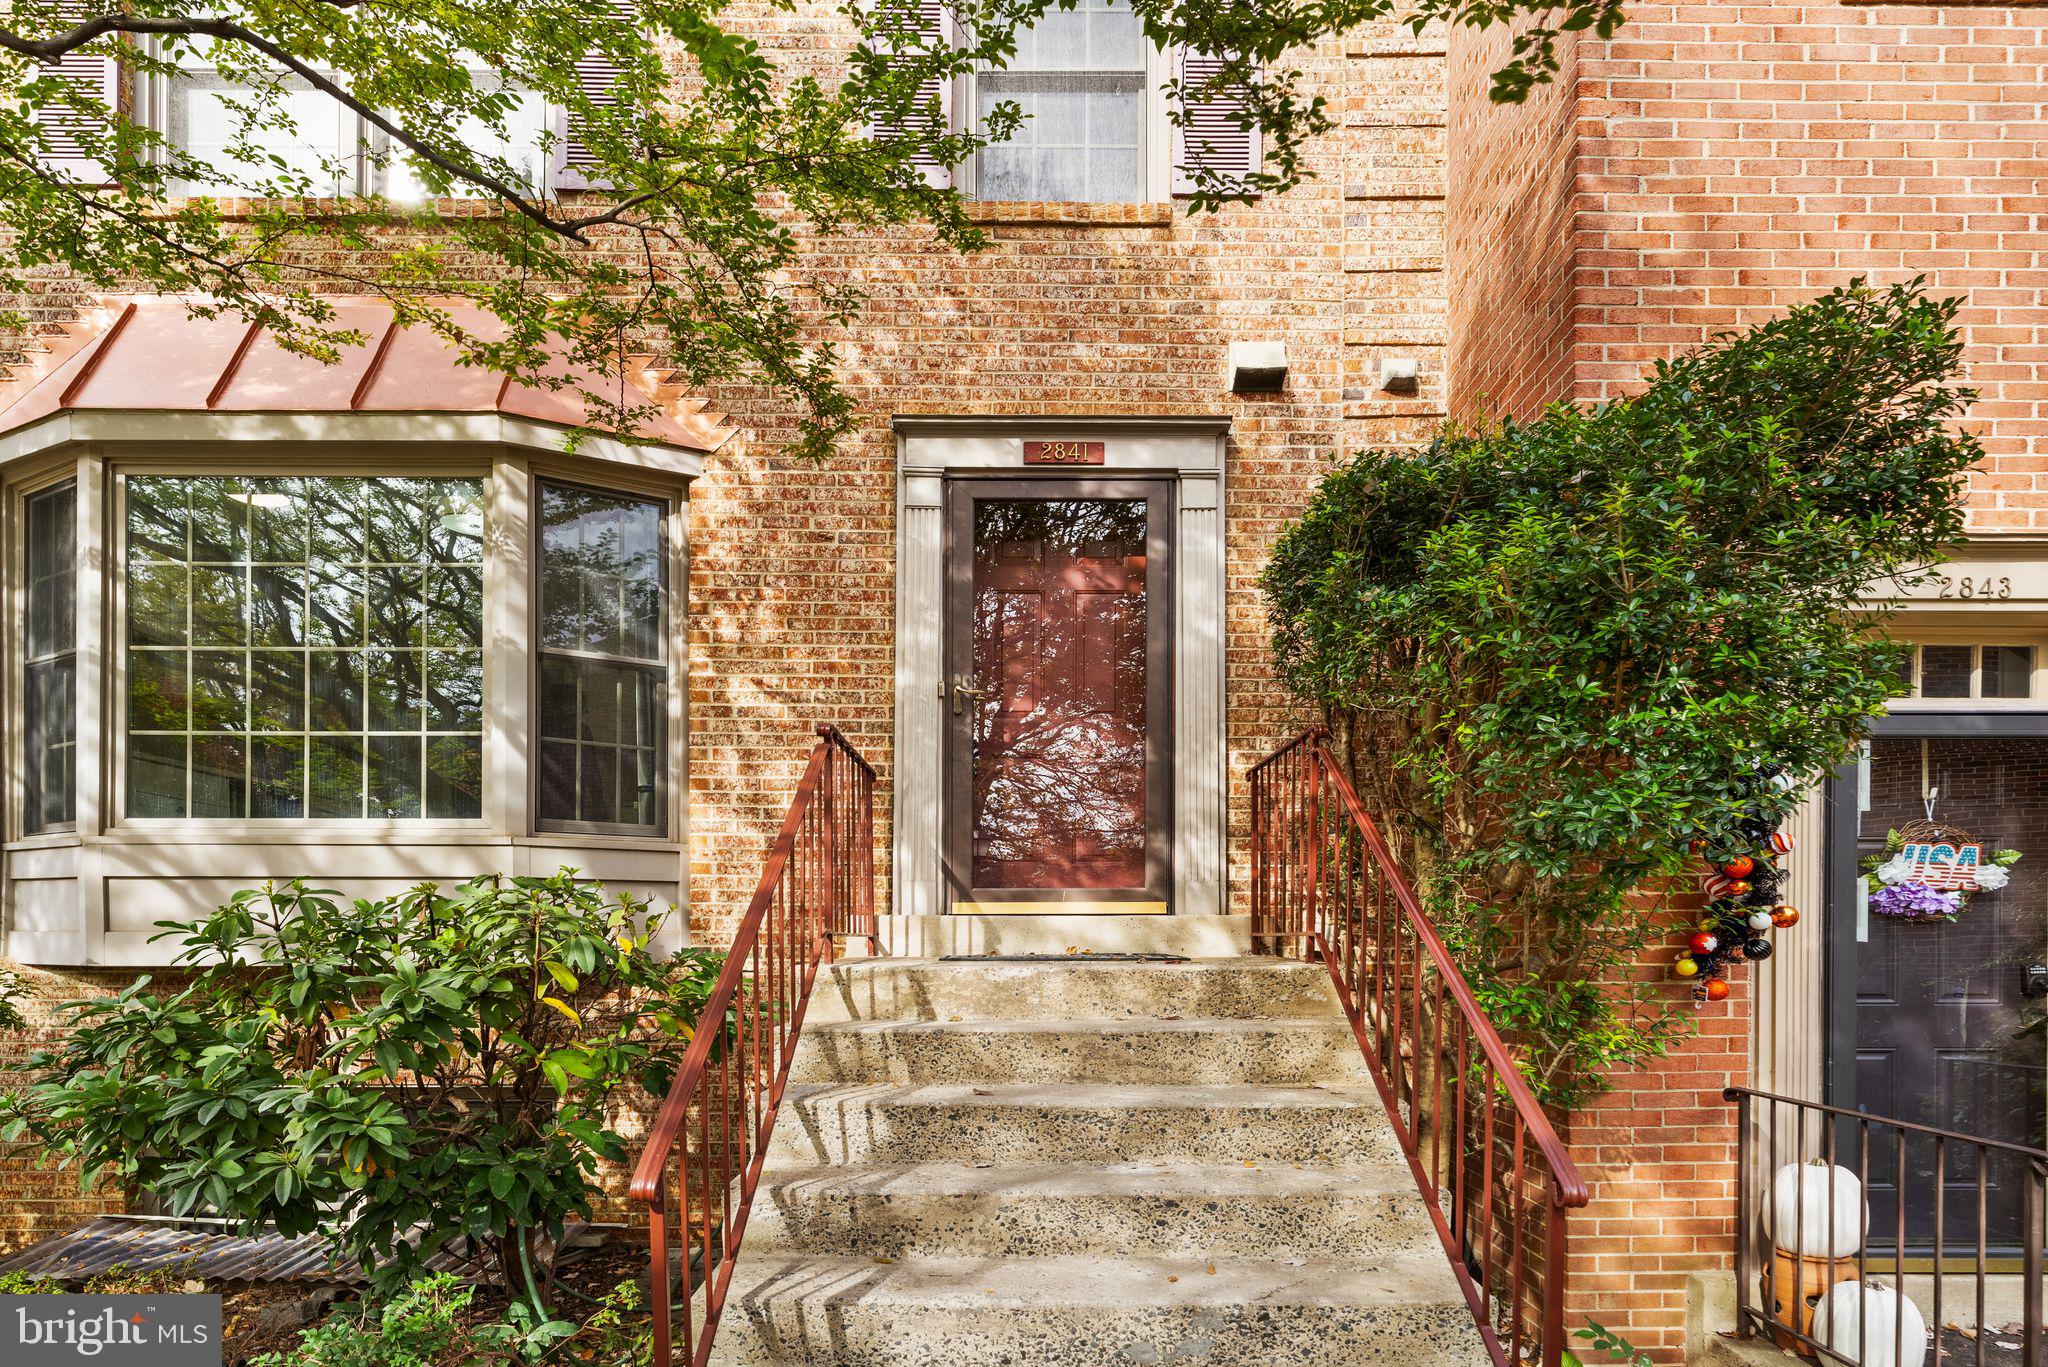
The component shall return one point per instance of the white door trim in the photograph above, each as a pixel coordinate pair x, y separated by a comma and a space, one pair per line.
1190, 449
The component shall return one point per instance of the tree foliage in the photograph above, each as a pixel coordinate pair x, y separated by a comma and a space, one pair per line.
395, 1075
718, 160
1563, 651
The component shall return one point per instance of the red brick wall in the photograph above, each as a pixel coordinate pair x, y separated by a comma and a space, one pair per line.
1116, 311
37, 1200
1508, 233
1726, 162
1734, 160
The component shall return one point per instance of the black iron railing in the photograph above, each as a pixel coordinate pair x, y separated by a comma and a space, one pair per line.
1934, 1228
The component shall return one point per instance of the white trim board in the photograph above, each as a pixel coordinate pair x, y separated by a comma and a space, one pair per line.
1189, 449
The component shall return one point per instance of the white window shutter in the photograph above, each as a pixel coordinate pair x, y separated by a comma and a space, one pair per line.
1211, 137
935, 24
63, 127
598, 75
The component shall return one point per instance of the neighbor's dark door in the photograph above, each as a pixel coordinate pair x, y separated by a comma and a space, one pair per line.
1941, 1028
1058, 633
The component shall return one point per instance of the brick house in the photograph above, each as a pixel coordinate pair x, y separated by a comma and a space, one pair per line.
1706, 166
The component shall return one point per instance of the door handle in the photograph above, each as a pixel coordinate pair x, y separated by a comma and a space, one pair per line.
2034, 980
961, 692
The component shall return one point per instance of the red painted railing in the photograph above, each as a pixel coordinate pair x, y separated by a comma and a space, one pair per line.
1498, 1181
703, 1158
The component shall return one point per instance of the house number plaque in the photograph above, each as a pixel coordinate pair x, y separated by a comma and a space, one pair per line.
1063, 453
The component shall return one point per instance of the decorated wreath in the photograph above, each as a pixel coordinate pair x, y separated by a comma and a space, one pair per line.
1931, 869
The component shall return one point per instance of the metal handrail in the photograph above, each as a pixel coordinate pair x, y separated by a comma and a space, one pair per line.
1766, 1120
1322, 875
818, 886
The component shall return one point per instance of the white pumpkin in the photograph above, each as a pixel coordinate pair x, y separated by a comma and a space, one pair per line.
1897, 1332
1797, 1214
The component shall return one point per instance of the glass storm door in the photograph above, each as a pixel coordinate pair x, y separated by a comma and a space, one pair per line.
1056, 693
1940, 1022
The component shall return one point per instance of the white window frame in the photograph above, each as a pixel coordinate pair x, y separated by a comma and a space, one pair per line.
672, 653
115, 557
2037, 699
153, 97
92, 895
1155, 132
15, 598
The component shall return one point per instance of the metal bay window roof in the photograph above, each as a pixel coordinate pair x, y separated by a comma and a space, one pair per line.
148, 354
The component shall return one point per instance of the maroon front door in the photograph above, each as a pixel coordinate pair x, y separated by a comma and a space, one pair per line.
1057, 691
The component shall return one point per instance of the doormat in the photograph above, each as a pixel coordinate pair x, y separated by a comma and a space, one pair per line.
1074, 958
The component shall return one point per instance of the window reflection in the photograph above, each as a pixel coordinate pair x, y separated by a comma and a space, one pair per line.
1059, 639
603, 682
50, 662
304, 647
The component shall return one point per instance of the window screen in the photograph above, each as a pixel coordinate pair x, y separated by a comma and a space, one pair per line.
1079, 77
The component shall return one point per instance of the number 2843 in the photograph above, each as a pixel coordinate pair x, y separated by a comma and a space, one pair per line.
1980, 586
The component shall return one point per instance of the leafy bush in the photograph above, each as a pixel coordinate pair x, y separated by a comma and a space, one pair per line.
1561, 652
393, 1074
417, 1328
14, 989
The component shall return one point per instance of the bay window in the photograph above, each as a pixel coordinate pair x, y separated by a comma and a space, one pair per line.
304, 647
602, 648
319, 629
50, 661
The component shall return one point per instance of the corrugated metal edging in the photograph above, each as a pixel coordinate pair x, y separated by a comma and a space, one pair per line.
213, 1251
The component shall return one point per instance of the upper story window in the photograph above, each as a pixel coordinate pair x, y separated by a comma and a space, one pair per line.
1097, 123
50, 661
311, 135
1082, 78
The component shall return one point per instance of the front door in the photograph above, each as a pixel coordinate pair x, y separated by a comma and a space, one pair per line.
1940, 1022
1058, 684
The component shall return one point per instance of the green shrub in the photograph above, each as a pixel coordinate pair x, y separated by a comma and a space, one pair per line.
14, 990
1561, 652
417, 1328
393, 1074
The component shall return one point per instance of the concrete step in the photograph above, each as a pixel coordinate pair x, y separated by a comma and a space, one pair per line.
1197, 937
1334, 1126
1201, 1052
1033, 1210
1072, 989
1090, 1312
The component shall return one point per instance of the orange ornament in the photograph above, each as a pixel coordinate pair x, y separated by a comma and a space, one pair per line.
1717, 990
1784, 917
1741, 866
1739, 887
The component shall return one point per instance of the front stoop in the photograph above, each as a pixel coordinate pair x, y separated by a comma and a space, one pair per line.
983, 1163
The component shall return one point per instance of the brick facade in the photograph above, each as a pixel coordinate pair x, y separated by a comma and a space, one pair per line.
1075, 310
1705, 168
1726, 161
